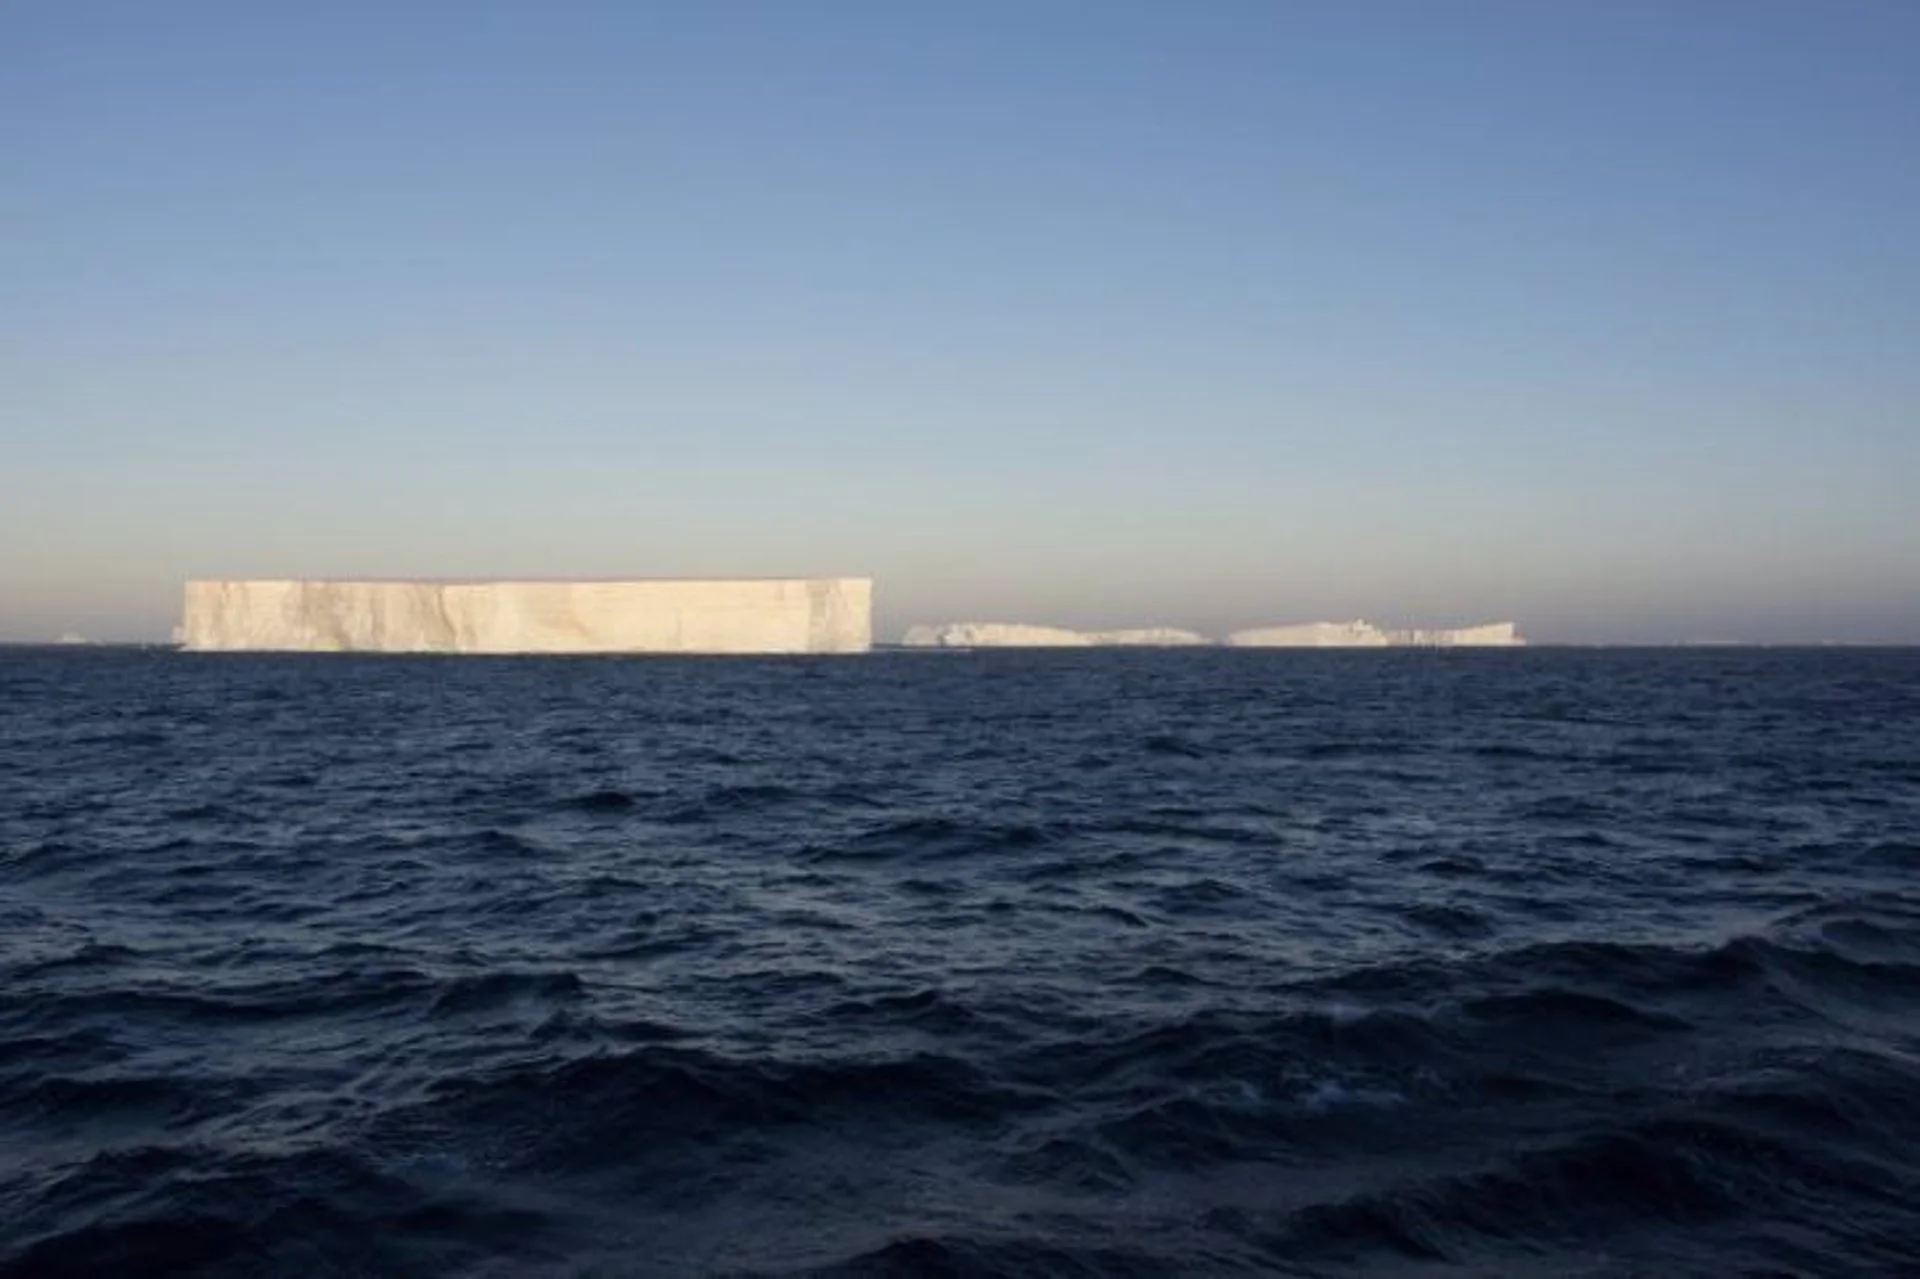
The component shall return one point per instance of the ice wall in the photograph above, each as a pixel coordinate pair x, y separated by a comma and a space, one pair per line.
1149, 637
1359, 634
770, 615
1312, 635
993, 635
1020, 635
1486, 635
1355, 634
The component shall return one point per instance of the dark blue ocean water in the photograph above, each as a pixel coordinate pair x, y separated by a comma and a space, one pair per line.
1518, 963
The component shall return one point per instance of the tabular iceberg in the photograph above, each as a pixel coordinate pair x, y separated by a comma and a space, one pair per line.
1020, 635
768, 615
1312, 635
1359, 634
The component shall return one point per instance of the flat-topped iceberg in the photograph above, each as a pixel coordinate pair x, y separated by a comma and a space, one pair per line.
1312, 635
1355, 634
1361, 634
1022, 635
1149, 637
754, 615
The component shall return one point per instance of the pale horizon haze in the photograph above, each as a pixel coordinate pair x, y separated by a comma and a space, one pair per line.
1603, 318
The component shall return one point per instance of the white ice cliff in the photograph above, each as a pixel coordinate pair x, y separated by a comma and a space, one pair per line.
1355, 634
1358, 634
769, 615
1019, 635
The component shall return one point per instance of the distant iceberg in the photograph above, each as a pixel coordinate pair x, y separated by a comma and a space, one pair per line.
1021, 635
1149, 637
1312, 635
1355, 634
1361, 634
1485, 635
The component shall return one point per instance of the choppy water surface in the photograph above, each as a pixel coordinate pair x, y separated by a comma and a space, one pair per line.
1527, 963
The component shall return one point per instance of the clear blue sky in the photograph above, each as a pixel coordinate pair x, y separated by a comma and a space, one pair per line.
1600, 316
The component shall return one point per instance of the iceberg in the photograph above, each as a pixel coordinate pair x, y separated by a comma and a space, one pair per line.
1354, 634
1148, 637
1362, 634
993, 635
767, 615
1021, 635
1312, 635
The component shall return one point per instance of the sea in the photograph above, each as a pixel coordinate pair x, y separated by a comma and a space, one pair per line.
1544, 962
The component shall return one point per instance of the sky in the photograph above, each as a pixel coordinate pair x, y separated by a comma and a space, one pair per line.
1600, 317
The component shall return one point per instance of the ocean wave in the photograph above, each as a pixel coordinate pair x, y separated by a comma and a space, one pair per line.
1580, 964
235, 1213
